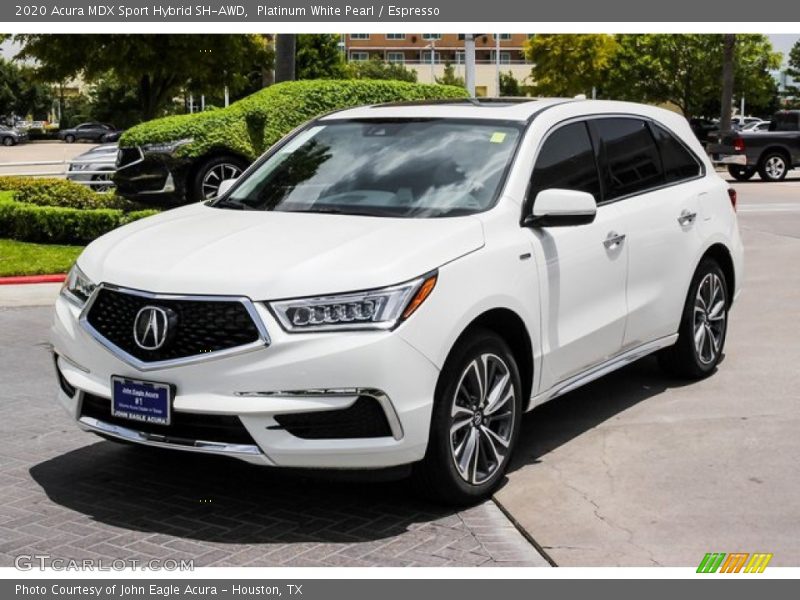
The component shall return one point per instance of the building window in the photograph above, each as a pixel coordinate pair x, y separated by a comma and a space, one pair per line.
359, 56
431, 36
504, 37
395, 57
460, 60
425, 57
505, 58
359, 36
395, 36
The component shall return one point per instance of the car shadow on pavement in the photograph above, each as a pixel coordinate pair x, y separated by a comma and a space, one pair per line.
557, 422
214, 499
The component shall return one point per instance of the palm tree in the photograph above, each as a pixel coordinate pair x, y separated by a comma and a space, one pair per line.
728, 57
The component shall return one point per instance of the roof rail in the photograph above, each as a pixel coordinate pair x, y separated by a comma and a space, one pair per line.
472, 101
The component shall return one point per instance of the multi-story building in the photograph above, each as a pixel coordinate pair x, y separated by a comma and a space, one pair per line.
428, 53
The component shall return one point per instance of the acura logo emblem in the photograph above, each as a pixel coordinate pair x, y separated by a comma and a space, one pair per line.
152, 326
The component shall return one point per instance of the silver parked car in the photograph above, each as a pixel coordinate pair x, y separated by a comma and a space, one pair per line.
95, 167
10, 136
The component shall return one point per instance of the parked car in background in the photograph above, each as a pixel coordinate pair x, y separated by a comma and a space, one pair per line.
89, 132
184, 158
771, 154
756, 126
395, 285
10, 136
84, 167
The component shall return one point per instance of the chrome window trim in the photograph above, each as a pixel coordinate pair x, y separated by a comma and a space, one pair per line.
263, 340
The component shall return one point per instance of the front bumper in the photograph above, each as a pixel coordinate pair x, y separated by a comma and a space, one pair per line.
295, 374
155, 179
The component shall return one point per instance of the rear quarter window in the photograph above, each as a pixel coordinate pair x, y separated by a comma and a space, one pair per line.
678, 161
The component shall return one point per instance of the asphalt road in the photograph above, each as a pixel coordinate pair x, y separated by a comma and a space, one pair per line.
638, 470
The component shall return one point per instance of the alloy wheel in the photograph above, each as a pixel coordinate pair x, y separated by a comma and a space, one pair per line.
775, 167
710, 315
482, 418
215, 176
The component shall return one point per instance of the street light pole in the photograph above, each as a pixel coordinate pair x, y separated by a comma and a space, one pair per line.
497, 64
469, 63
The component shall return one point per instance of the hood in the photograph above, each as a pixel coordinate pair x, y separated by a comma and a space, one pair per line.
269, 255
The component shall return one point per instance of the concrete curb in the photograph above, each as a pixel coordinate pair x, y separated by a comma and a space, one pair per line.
26, 279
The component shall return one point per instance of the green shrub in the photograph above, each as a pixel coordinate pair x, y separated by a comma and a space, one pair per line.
59, 225
61, 192
251, 125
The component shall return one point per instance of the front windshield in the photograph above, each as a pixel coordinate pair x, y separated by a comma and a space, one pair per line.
387, 168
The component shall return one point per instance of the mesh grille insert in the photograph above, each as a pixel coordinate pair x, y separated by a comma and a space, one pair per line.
201, 326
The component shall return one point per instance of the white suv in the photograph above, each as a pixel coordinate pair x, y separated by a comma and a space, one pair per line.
394, 285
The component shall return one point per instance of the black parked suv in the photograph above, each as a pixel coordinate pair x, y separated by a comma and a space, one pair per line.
771, 154
157, 174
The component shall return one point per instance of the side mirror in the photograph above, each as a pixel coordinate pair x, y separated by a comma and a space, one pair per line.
224, 186
560, 208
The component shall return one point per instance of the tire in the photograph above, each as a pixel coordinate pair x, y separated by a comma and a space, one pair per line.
69, 138
460, 414
8, 141
741, 173
103, 177
773, 166
689, 358
211, 173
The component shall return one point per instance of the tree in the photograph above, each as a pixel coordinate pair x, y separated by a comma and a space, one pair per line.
509, 86
376, 68
20, 92
728, 64
791, 92
285, 44
113, 102
156, 66
685, 70
567, 65
318, 56
449, 77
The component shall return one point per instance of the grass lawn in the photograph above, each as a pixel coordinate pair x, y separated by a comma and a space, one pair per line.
22, 258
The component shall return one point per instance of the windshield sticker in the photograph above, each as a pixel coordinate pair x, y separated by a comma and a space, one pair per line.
498, 137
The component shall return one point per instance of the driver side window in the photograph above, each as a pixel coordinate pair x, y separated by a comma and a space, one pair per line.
566, 161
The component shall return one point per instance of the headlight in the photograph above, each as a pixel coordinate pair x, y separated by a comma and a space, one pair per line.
77, 287
166, 147
382, 308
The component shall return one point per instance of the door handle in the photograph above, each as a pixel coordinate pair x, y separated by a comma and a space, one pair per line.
613, 240
687, 217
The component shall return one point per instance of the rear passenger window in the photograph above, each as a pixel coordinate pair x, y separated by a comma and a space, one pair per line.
679, 163
566, 161
632, 163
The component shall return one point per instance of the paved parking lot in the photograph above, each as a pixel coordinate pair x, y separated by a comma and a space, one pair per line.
72, 495
634, 469
40, 151
640, 470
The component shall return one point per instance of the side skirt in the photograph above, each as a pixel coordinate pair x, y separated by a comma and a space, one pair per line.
601, 369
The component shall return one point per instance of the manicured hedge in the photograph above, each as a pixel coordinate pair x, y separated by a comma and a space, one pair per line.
59, 225
61, 192
251, 125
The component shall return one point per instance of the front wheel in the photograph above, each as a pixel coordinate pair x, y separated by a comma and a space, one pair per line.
8, 141
475, 422
773, 167
207, 179
704, 325
741, 173
69, 139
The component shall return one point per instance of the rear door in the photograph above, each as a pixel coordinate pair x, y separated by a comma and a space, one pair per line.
657, 185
